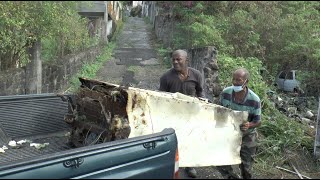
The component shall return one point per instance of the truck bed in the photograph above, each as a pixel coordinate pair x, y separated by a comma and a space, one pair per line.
57, 142
38, 118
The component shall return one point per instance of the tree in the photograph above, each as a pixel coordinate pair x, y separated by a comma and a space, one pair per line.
24, 22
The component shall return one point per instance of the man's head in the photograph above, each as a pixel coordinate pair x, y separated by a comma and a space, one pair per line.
241, 77
180, 60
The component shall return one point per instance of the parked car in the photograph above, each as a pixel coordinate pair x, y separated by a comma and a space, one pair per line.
287, 81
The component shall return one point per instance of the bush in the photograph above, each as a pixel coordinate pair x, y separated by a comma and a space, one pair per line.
136, 11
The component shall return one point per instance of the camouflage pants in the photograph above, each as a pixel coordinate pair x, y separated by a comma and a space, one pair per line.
248, 149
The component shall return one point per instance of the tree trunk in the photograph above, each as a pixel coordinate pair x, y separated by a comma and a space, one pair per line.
34, 70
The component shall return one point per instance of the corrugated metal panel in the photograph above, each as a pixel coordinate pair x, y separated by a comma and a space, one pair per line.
25, 115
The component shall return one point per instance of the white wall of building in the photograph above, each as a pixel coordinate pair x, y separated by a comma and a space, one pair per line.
136, 3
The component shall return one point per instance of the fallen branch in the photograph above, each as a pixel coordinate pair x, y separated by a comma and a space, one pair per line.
296, 170
287, 170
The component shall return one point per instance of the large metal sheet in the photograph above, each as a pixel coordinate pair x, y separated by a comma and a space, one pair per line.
208, 134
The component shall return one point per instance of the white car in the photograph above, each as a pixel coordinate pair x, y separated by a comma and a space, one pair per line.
286, 81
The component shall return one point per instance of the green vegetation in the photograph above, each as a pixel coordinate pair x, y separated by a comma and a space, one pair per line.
133, 68
164, 54
258, 35
117, 31
281, 34
59, 28
89, 70
25, 22
269, 36
146, 20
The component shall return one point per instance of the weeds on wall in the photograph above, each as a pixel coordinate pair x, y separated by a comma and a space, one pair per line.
89, 70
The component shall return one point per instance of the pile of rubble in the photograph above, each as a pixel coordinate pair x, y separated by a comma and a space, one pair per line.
302, 109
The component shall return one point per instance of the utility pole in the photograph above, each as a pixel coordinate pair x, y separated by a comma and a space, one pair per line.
317, 138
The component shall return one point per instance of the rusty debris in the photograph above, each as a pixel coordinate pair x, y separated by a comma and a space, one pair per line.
299, 108
98, 114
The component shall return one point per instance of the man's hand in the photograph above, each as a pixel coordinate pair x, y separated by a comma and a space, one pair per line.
244, 126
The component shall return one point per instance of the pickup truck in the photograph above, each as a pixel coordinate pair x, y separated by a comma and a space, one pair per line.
41, 119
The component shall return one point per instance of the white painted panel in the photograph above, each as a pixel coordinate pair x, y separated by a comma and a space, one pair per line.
208, 134
109, 27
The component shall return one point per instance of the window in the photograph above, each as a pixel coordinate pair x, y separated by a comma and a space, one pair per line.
282, 75
290, 75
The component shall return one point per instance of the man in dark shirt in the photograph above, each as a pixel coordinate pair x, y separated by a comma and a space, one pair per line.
182, 78
185, 80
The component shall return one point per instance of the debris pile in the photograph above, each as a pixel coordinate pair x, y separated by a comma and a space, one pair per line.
19, 144
302, 109
97, 114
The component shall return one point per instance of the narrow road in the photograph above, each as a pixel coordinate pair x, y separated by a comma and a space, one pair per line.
134, 60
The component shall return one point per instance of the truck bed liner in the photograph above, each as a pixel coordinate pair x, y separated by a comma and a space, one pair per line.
39, 118
57, 142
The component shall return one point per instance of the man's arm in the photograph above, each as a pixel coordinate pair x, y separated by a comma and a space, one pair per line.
256, 121
163, 84
245, 126
199, 88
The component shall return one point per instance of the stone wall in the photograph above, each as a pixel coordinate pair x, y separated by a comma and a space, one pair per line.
163, 27
204, 59
55, 77
13, 82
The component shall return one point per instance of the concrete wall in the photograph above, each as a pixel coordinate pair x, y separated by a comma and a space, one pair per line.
97, 13
100, 14
95, 7
55, 77
150, 10
164, 28
136, 3
109, 27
